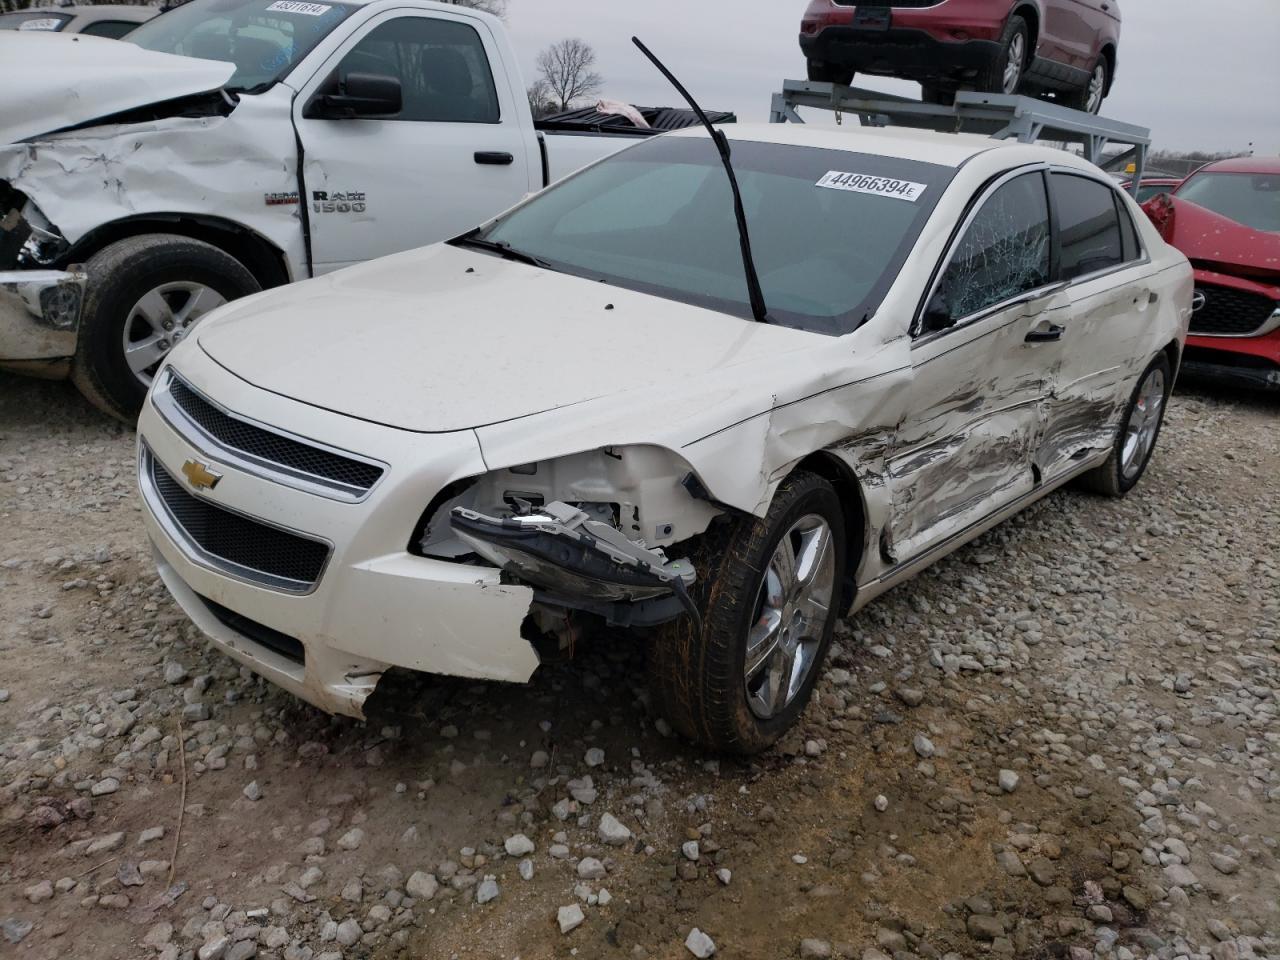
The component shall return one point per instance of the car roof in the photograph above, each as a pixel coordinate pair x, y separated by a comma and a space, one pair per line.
904, 143
1243, 165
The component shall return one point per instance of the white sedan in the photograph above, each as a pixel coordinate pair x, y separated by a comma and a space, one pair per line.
445, 459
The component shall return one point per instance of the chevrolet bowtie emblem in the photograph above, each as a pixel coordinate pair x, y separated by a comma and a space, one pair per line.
199, 475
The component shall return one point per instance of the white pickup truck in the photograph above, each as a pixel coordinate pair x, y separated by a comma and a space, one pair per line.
236, 145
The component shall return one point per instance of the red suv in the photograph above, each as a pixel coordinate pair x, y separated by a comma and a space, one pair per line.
1064, 47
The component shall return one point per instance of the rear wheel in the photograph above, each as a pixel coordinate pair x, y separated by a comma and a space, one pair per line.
1089, 98
144, 295
1136, 439
769, 592
1004, 73
822, 72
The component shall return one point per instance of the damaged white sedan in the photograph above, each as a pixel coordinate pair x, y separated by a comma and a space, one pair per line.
446, 459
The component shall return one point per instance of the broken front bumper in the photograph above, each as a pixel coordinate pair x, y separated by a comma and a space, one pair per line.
39, 315
369, 604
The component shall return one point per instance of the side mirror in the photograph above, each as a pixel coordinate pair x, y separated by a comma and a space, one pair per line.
360, 95
937, 314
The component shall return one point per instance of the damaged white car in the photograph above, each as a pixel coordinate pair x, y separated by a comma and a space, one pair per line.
589, 408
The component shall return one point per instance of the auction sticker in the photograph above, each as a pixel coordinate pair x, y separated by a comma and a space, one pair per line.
298, 6
41, 23
877, 186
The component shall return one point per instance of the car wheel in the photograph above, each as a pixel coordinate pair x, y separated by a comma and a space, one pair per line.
144, 294
769, 592
1139, 430
1089, 98
1004, 73
821, 72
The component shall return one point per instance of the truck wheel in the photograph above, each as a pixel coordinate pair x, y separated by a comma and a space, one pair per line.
143, 296
821, 72
1004, 73
1136, 439
768, 591
1089, 98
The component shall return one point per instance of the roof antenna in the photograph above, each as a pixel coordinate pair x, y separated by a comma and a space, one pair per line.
758, 308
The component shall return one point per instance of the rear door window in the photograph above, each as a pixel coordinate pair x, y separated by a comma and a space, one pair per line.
34, 20
1089, 235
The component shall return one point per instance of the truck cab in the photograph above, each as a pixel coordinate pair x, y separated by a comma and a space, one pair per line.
235, 145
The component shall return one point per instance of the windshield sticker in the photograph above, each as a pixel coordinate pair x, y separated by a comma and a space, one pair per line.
877, 186
298, 6
41, 23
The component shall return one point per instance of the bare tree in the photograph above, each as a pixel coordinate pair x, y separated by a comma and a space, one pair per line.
566, 68
541, 100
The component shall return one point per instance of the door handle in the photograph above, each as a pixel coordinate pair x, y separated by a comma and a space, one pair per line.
494, 158
1050, 334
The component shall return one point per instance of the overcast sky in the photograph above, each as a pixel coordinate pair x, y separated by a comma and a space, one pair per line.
1203, 75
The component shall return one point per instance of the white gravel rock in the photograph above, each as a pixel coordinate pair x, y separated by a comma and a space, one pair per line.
612, 831
699, 944
519, 846
570, 917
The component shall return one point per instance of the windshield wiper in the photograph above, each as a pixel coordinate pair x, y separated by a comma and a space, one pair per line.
502, 249
754, 290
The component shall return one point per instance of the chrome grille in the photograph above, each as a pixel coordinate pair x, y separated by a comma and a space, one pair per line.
292, 460
231, 542
1232, 313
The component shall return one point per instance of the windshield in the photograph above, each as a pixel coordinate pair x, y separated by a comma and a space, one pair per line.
34, 20
1249, 198
263, 38
829, 229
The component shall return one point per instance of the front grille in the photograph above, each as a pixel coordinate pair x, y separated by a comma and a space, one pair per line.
1228, 312
259, 633
236, 544
270, 447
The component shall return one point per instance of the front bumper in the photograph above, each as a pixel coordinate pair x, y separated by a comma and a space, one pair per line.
375, 605
900, 52
39, 317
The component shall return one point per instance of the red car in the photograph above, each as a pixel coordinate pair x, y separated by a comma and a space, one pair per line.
1226, 218
1064, 47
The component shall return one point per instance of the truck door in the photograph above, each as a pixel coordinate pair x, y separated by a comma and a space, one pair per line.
456, 153
1071, 30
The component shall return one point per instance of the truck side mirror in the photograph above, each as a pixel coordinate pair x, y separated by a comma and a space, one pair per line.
359, 95
937, 314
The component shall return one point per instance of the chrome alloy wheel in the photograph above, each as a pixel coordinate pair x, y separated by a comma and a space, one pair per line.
1017, 58
1144, 423
159, 321
1097, 89
792, 609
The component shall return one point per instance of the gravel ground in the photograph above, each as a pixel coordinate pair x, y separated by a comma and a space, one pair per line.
1060, 742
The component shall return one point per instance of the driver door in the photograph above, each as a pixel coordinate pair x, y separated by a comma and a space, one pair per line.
981, 360
454, 155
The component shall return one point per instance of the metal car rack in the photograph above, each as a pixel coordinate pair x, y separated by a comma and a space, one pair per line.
1001, 116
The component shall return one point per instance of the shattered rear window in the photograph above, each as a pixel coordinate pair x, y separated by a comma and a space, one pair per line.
263, 38
830, 229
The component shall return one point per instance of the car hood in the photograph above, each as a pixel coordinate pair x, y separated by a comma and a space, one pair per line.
443, 339
51, 81
1214, 242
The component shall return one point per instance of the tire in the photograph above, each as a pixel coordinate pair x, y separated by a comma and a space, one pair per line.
820, 72
943, 96
698, 679
1089, 98
169, 272
1140, 425
999, 76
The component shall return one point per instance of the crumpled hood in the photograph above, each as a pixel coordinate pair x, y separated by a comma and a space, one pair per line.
50, 81
1215, 242
442, 339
